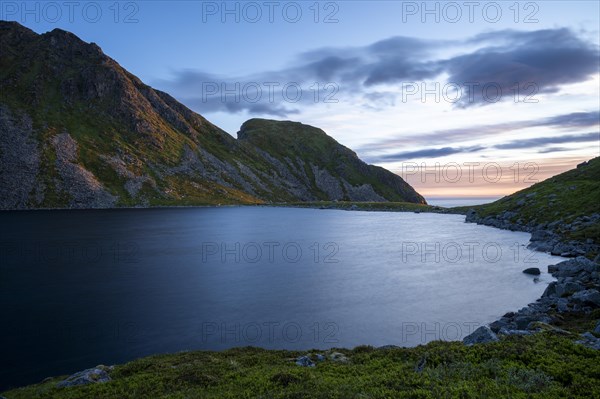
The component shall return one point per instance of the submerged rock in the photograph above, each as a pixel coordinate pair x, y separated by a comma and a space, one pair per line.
532, 270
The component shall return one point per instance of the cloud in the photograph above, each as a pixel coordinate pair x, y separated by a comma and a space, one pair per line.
564, 121
425, 153
515, 144
540, 61
553, 149
541, 141
573, 120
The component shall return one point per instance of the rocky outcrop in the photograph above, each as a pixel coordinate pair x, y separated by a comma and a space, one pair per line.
78, 183
482, 335
328, 171
19, 162
312, 359
98, 374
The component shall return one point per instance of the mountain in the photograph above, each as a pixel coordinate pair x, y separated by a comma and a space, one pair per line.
562, 212
79, 131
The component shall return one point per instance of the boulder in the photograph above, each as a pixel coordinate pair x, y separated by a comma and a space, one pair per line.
589, 340
597, 329
568, 288
564, 249
498, 325
338, 357
523, 321
94, 375
563, 306
532, 270
572, 267
480, 336
588, 297
550, 290
305, 361
541, 235
541, 246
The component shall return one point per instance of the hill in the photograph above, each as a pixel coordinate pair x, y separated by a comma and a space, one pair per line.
79, 131
562, 212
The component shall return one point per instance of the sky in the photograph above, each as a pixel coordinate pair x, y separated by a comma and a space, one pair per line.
459, 98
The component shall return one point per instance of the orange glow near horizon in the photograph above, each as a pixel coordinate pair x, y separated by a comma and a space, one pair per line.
485, 180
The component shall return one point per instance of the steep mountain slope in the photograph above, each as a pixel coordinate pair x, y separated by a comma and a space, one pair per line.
77, 130
562, 212
329, 170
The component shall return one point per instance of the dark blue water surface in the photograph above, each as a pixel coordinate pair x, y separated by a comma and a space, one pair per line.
81, 288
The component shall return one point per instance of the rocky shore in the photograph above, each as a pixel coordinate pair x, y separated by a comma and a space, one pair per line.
546, 237
576, 293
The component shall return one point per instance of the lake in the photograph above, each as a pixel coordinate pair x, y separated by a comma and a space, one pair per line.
81, 288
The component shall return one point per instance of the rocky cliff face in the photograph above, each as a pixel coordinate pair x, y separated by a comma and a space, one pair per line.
320, 167
77, 130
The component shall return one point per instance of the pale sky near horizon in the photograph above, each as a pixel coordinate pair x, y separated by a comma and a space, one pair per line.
467, 85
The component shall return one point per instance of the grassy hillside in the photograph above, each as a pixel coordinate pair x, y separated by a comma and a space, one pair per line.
556, 202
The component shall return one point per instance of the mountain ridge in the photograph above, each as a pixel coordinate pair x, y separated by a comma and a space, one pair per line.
80, 131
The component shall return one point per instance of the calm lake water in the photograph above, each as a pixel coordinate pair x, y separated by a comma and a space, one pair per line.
81, 288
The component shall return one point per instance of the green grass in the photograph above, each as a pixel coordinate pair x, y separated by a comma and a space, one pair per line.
541, 366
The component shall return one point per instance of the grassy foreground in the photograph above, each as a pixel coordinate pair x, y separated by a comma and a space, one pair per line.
546, 365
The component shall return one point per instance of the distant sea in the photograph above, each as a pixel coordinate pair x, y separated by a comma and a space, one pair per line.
449, 202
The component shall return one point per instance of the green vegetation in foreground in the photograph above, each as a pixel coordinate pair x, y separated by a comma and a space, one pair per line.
563, 197
546, 365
